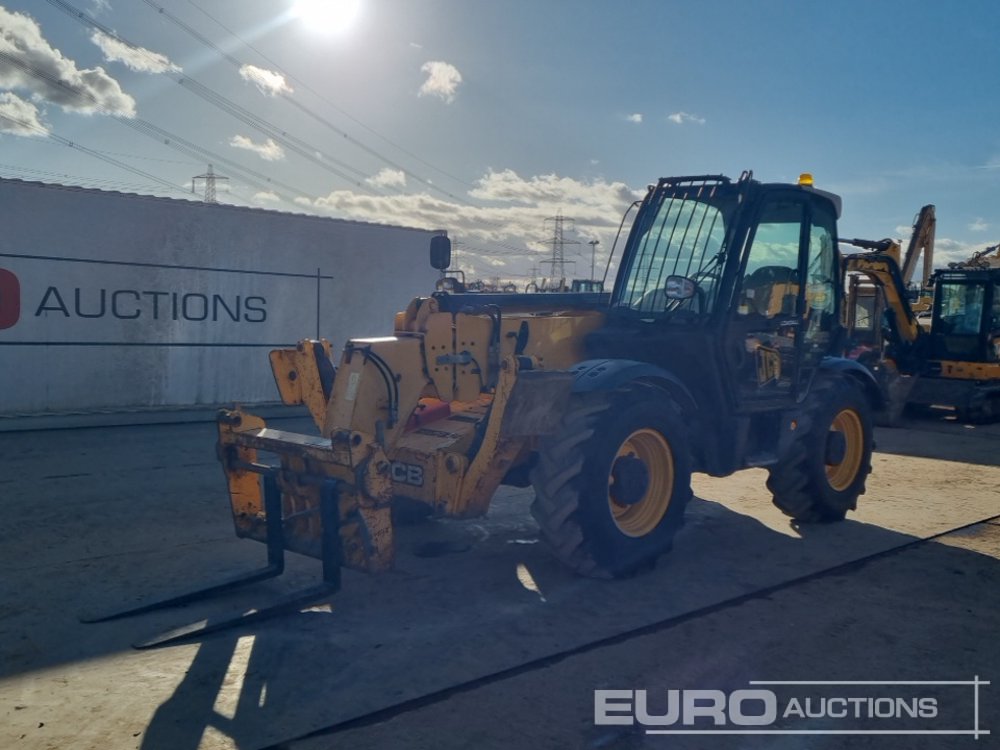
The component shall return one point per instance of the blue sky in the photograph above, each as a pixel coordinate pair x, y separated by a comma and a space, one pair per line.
487, 118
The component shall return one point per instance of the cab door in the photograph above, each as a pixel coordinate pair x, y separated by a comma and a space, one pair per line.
963, 318
784, 305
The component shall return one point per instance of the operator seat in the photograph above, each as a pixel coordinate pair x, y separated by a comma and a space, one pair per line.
768, 284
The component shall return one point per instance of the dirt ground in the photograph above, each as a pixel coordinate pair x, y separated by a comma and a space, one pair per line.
478, 638
928, 612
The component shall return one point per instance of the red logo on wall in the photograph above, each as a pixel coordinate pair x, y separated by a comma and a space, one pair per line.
10, 299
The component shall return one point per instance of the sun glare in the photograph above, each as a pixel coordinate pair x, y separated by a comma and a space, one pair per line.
335, 16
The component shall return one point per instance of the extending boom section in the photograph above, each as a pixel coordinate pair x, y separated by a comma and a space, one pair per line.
438, 413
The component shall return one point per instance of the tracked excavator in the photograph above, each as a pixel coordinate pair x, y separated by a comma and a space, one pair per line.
867, 299
715, 351
951, 357
884, 307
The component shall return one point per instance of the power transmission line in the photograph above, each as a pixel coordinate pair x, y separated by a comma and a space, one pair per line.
272, 131
210, 178
297, 145
235, 62
97, 182
150, 130
301, 84
91, 152
559, 242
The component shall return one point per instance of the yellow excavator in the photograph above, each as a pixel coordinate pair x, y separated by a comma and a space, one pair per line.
716, 350
951, 357
885, 307
868, 300
984, 259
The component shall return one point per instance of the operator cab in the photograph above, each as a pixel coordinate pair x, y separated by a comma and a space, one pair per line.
966, 323
742, 273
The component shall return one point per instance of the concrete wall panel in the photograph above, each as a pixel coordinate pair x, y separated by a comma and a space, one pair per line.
114, 301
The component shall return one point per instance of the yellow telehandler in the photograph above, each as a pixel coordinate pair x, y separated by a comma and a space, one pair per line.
716, 350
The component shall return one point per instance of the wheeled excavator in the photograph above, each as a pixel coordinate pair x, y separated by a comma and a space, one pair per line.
715, 351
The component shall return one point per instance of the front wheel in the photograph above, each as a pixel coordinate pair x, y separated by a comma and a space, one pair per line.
612, 483
825, 472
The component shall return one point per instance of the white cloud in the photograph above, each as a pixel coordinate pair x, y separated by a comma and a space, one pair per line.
679, 118
509, 187
388, 178
978, 226
20, 117
37, 67
514, 218
268, 150
945, 250
99, 6
267, 81
442, 80
952, 251
265, 197
635, 117
134, 58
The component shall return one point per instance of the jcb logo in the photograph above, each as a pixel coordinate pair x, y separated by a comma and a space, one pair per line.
407, 474
10, 299
768, 365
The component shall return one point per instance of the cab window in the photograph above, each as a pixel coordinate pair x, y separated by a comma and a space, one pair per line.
770, 283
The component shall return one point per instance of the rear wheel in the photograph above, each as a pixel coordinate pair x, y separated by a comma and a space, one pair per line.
986, 412
828, 465
612, 483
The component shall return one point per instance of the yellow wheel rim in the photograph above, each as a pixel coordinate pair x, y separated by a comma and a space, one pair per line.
842, 475
640, 518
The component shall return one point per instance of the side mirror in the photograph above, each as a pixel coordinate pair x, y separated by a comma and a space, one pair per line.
679, 287
440, 252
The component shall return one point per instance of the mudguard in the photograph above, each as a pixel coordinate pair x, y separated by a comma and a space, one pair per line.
608, 374
864, 376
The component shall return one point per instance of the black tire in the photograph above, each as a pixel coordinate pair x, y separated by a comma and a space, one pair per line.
896, 391
986, 412
811, 484
612, 483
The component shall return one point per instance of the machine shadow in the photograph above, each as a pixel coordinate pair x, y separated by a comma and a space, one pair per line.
440, 622
959, 442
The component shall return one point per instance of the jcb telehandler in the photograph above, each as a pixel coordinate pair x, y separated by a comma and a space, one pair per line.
714, 352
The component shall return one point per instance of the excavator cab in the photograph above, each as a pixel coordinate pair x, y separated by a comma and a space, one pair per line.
966, 323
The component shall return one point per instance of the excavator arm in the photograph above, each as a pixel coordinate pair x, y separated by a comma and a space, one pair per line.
921, 245
882, 267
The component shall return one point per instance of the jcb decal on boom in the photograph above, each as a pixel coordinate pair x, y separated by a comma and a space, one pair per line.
412, 474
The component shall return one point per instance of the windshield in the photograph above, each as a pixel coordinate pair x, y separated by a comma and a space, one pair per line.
680, 232
961, 308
